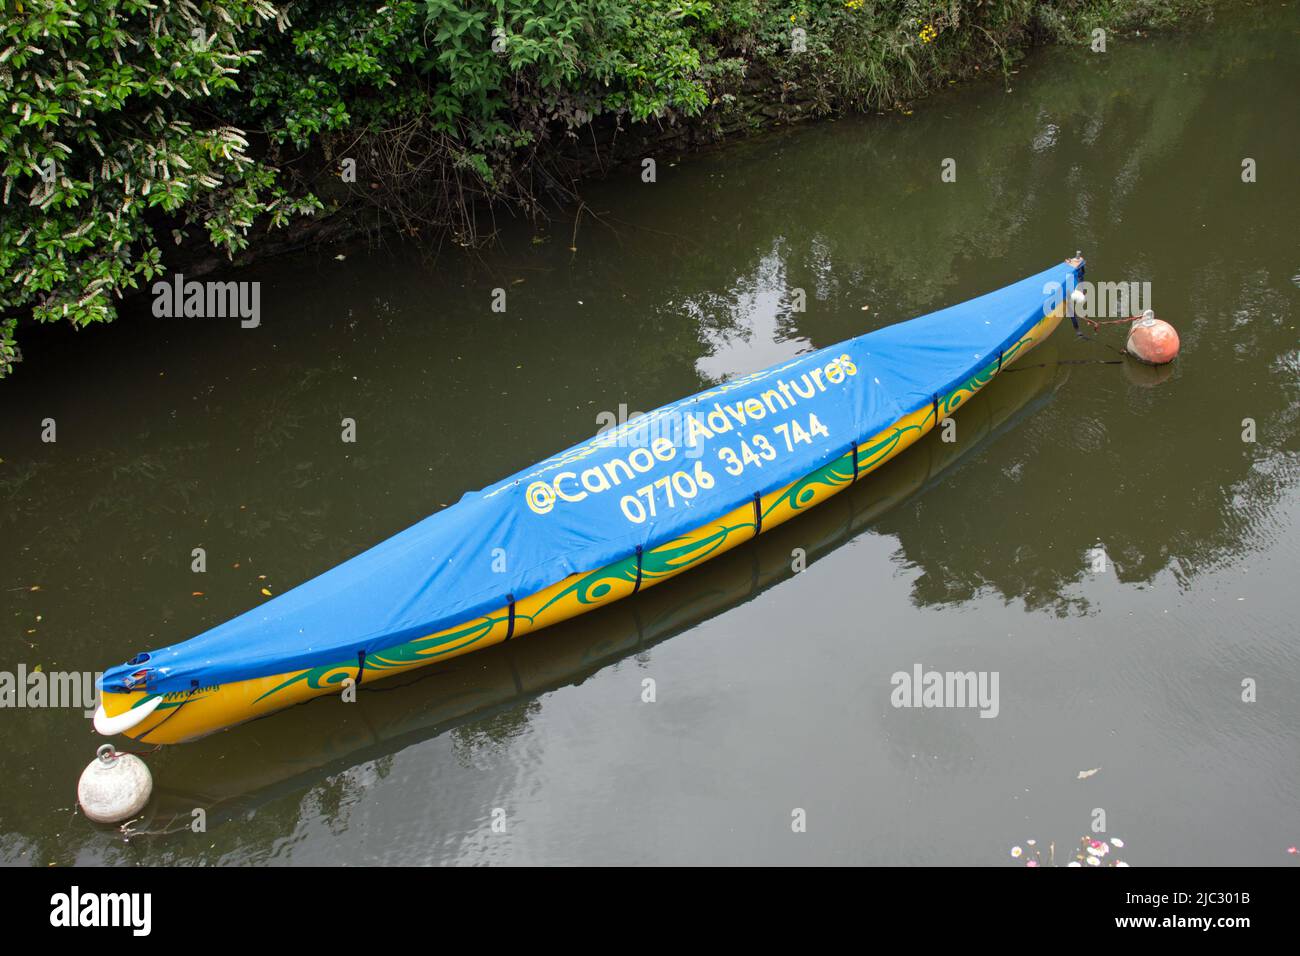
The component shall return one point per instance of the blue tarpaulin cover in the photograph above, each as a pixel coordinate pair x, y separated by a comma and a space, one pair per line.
643, 483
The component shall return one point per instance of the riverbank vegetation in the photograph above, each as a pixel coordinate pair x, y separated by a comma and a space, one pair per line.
132, 131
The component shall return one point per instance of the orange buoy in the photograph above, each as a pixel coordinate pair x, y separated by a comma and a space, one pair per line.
1152, 340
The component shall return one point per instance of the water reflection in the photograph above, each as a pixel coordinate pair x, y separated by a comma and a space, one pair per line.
751, 327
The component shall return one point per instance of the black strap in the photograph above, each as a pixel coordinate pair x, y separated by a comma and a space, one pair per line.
854, 448
936, 409
637, 587
194, 689
999, 361
361, 665
758, 514
510, 626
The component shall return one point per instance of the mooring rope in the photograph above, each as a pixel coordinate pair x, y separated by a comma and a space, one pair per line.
137, 753
1089, 338
1098, 323
1026, 368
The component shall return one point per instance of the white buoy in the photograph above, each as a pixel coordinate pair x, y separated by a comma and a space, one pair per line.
115, 787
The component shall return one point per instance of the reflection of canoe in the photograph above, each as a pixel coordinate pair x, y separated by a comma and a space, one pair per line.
614, 515
305, 745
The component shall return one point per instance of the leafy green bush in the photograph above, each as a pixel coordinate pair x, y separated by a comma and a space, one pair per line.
96, 129
127, 122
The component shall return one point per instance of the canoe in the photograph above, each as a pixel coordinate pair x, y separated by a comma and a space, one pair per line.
607, 518
293, 755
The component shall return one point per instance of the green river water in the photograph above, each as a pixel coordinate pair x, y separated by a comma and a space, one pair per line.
773, 688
